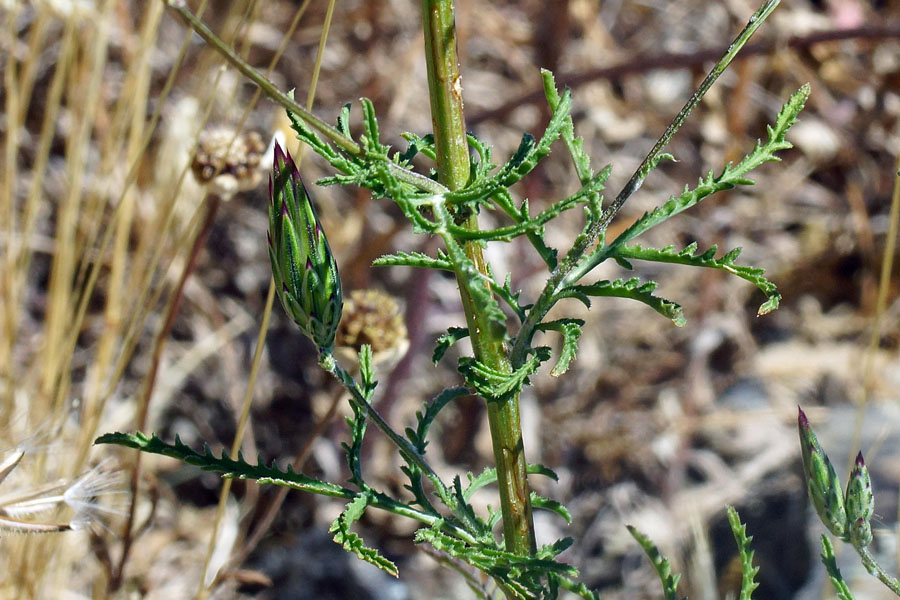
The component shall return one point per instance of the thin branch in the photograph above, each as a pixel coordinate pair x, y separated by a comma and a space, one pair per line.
686, 60
271, 90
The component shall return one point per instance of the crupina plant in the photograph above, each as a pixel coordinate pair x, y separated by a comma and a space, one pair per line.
446, 203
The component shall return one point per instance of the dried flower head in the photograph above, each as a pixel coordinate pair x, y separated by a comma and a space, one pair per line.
372, 317
228, 161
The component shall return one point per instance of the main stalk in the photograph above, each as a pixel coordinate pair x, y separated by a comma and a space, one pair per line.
445, 92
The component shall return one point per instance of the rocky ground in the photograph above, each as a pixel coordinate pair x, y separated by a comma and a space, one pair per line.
655, 426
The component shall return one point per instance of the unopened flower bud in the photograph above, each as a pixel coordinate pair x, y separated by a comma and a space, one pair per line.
821, 481
860, 503
305, 272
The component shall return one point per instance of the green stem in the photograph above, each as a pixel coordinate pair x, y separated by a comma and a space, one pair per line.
875, 569
488, 341
328, 362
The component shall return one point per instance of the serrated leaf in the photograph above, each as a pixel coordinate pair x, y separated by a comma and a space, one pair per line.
660, 563
424, 420
492, 384
503, 199
352, 542
541, 503
834, 573
707, 259
731, 175
423, 145
480, 287
489, 476
372, 137
412, 259
453, 335
228, 467
575, 145
748, 571
570, 329
523, 160
634, 289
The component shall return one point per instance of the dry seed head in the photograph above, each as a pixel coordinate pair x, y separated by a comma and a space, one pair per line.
87, 498
372, 317
228, 161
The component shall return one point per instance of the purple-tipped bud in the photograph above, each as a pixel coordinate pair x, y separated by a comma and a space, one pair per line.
821, 481
305, 272
860, 503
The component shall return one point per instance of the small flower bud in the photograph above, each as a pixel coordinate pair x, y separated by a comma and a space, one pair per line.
860, 503
305, 272
860, 533
821, 481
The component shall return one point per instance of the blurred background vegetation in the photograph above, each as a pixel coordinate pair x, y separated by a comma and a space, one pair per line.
117, 127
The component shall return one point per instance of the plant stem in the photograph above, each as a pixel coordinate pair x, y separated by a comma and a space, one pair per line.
451, 146
875, 569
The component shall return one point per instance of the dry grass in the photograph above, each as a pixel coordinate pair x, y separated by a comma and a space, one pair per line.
103, 105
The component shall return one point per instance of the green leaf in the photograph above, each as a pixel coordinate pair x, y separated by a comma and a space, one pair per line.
489, 476
238, 469
481, 168
748, 571
570, 329
660, 563
503, 199
492, 384
689, 256
371, 139
453, 335
343, 164
523, 160
518, 574
367, 371
479, 286
353, 450
424, 420
731, 176
634, 289
351, 542
535, 225
413, 259
417, 145
541, 503
834, 573
575, 145
579, 589
343, 121
506, 293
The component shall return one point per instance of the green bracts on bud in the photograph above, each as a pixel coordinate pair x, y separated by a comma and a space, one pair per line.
305, 272
821, 481
860, 503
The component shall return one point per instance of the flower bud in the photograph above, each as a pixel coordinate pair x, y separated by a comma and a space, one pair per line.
305, 272
821, 481
860, 503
